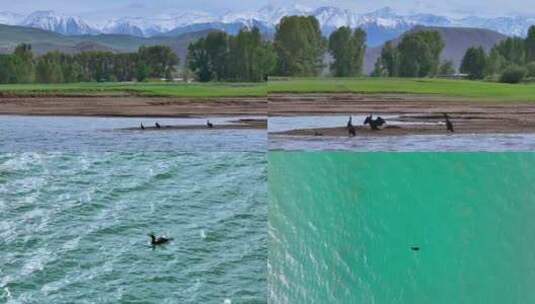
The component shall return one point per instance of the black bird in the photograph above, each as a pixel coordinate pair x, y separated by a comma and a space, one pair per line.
154, 241
157, 125
209, 124
142, 127
374, 124
352, 131
350, 128
449, 125
415, 248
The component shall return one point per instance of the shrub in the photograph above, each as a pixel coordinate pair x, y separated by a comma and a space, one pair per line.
513, 74
531, 69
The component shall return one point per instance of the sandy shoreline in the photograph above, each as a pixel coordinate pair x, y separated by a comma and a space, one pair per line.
132, 106
239, 124
419, 114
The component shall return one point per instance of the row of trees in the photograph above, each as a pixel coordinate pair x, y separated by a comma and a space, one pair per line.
55, 67
297, 49
509, 61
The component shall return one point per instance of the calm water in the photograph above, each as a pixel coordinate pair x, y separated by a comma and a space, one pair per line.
342, 226
416, 143
73, 227
97, 134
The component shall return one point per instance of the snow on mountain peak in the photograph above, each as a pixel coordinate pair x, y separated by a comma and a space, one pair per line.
50, 21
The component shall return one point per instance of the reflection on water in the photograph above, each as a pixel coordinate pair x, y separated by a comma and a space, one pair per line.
415, 143
24, 133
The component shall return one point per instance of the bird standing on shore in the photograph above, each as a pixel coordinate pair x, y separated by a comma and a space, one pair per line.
155, 241
374, 124
157, 125
350, 128
449, 125
209, 124
142, 126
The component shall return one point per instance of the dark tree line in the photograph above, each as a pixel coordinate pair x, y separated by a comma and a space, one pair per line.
508, 61
55, 67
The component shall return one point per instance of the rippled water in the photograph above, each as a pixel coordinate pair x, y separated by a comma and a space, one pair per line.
73, 227
98, 134
342, 226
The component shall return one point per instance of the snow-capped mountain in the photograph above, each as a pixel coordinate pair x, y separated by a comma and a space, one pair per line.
157, 25
50, 21
381, 25
10, 18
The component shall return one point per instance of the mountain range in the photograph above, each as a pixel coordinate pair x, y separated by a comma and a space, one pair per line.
381, 25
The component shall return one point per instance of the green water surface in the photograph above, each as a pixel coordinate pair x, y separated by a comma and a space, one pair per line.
342, 226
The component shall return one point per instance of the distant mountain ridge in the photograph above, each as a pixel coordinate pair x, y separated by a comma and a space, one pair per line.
381, 25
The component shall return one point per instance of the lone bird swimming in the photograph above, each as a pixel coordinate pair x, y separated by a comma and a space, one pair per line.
449, 125
374, 123
157, 125
209, 124
155, 241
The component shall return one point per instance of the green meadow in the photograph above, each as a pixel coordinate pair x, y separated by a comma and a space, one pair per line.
157, 89
463, 89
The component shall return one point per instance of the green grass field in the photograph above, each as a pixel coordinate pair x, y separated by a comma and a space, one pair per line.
464, 89
160, 89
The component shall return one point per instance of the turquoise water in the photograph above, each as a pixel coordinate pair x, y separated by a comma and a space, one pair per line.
342, 226
73, 227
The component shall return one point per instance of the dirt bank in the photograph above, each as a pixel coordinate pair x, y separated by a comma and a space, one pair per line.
131, 106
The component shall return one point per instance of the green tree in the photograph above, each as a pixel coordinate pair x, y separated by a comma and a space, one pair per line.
198, 60
474, 62
419, 54
7, 69
252, 59
388, 63
530, 44
159, 59
216, 45
513, 50
23, 63
347, 48
299, 46
446, 68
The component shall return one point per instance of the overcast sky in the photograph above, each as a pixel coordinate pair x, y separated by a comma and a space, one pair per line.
109, 8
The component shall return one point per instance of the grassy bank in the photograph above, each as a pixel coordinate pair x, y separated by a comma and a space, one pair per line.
465, 89
476, 90
143, 89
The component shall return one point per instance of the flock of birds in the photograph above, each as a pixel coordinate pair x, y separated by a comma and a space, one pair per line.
375, 124
209, 125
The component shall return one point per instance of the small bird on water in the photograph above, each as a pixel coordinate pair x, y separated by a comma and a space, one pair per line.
157, 125
155, 241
